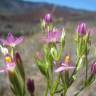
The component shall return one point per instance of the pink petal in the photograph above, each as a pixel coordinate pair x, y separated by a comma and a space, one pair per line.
19, 40
68, 68
6, 43
10, 66
10, 38
2, 41
63, 64
64, 68
60, 69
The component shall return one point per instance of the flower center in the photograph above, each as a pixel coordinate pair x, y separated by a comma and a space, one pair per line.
67, 60
8, 59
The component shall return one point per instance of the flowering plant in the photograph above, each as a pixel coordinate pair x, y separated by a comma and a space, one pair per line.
61, 74
14, 65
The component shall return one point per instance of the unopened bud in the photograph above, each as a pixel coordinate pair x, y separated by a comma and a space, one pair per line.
30, 86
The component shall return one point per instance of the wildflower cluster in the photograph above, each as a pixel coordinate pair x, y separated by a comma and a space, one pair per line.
13, 65
58, 69
61, 73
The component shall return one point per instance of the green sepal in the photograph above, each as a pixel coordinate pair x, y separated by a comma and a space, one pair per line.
48, 57
43, 67
63, 39
54, 53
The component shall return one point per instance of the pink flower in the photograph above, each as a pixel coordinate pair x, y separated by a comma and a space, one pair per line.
11, 40
53, 36
9, 64
64, 67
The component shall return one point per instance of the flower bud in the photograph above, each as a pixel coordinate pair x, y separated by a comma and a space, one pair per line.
81, 29
18, 58
63, 37
30, 86
93, 68
19, 65
48, 18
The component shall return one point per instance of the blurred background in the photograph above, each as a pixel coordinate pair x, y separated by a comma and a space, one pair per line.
22, 17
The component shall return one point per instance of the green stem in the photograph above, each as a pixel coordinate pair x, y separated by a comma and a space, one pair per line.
64, 84
60, 53
86, 70
67, 78
55, 85
89, 81
46, 92
74, 72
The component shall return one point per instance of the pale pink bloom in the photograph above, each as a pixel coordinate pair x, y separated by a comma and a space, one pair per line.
53, 36
64, 67
11, 40
9, 64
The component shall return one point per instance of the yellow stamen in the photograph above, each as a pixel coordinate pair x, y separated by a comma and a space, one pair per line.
67, 59
8, 59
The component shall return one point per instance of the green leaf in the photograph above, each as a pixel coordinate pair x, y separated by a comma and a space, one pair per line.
17, 83
55, 85
80, 62
43, 68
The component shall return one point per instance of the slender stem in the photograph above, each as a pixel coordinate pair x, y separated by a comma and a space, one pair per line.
70, 80
55, 85
86, 70
89, 81
78, 57
60, 53
46, 92
67, 78
64, 84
